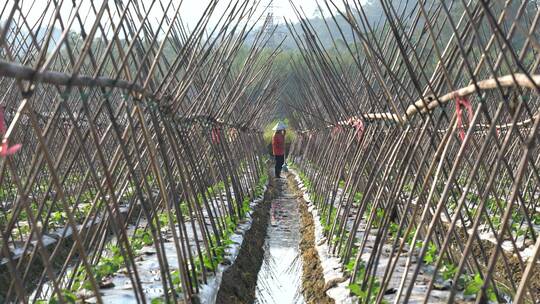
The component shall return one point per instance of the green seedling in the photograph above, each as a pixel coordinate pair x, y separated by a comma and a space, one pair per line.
448, 270
474, 285
157, 301
69, 297
358, 197
431, 254
356, 286
393, 229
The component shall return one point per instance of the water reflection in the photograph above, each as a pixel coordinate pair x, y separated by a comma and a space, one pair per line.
280, 277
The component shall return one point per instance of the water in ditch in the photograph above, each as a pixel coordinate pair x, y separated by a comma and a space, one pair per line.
280, 277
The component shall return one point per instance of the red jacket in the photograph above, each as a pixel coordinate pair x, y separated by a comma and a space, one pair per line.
278, 144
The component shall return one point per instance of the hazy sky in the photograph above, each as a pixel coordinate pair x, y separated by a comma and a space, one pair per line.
282, 8
190, 11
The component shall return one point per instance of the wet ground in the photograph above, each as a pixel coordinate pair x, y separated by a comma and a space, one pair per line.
280, 277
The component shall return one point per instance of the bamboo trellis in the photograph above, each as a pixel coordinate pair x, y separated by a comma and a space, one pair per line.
136, 132
419, 145
418, 141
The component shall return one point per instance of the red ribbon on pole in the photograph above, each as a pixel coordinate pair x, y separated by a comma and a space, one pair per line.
5, 150
463, 101
358, 124
215, 135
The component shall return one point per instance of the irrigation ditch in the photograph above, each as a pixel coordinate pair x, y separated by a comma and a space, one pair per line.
313, 280
278, 261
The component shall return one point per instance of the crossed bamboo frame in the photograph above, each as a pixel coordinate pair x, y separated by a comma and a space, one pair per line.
131, 124
460, 199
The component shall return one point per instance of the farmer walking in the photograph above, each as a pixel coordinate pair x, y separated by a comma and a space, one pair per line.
278, 147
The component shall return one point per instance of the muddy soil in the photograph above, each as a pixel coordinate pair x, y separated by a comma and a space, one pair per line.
239, 281
313, 284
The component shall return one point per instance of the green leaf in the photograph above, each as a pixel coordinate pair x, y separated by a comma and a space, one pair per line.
69, 296
448, 271
208, 263
350, 266
474, 285
157, 301
356, 290
430, 254
175, 276
147, 239
87, 285
492, 296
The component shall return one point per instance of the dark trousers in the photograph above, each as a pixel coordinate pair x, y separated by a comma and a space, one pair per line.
280, 160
